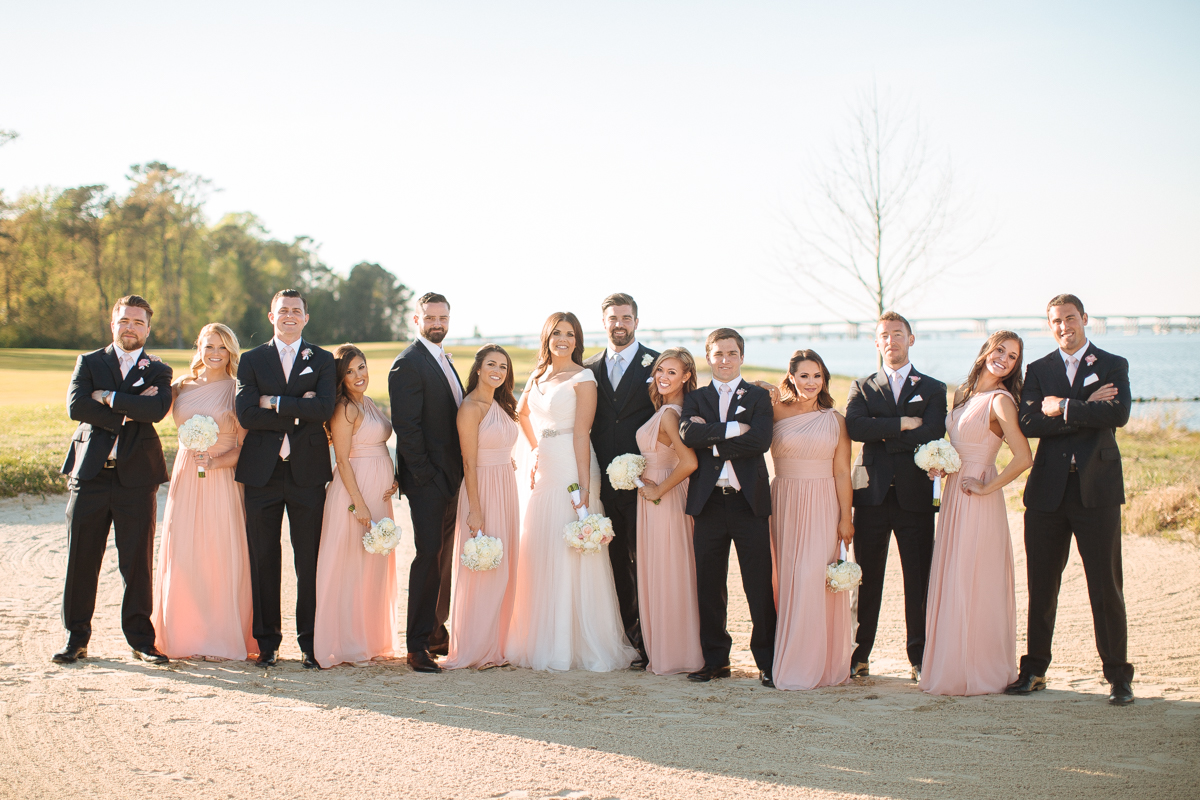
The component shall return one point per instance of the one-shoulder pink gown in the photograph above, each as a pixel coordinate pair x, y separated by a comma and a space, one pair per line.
971, 616
813, 637
483, 601
666, 563
356, 590
202, 600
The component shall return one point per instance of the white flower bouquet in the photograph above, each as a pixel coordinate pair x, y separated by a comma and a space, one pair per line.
588, 533
625, 472
381, 538
938, 454
842, 574
482, 552
198, 434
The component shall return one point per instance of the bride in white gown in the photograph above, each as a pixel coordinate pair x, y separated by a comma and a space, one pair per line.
565, 615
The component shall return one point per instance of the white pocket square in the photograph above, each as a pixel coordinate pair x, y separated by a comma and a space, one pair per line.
915, 398
649, 379
740, 409
1088, 381
306, 370
142, 382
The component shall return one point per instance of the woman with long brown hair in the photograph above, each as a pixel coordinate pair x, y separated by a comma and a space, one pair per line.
810, 519
202, 600
487, 430
565, 615
970, 617
356, 590
666, 564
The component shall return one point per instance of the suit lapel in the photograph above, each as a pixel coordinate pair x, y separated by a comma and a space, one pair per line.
908, 389
276, 366
885, 388
601, 373
433, 362
297, 367
635, 375
114, 363
1080, 377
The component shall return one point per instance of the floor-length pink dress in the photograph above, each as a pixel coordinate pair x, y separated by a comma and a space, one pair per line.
813, 637
971, 616
483, 601
356, 590
202, 600
666, 563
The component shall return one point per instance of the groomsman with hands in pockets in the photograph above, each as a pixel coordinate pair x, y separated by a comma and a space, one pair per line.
115, 465
1073, 401
728, 423
285, 395
893, 413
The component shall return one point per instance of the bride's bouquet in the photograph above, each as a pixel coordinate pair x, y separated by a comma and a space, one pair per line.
381, 538
482, 552
588, 533
198, 434
843, 574
625, 472
938, 454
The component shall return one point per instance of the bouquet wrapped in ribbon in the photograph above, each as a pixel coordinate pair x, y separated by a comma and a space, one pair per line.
843, 574
625, 472
198, 434
382, 537
482, 552
588, 533
938, 454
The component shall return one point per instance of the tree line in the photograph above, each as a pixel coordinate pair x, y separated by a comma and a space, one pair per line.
67, 255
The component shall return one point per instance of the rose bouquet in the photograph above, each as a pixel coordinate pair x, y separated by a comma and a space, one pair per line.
842, 574
625, 472
382, 537
198, 434
588, 533
482, 552
938, 454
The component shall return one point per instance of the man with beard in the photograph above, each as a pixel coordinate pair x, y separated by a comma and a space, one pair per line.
425, 393
623, 405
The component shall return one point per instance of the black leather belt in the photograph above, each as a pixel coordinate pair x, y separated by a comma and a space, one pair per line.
1073, 468
110, 463
726, 490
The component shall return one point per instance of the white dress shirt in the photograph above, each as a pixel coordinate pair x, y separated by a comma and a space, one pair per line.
625, 356
287, 359
1072, 364
127, 361
727, 391
439, 355
896, 379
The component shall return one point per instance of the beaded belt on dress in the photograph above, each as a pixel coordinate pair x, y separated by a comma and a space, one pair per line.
806, 468
370, 451
550, 433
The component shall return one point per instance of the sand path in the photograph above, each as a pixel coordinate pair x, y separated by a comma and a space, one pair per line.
110, 727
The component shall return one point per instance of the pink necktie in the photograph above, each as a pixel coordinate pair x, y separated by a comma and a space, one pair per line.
126, 365
455, 389
288, 358
727, 470
897, 385
1072, 368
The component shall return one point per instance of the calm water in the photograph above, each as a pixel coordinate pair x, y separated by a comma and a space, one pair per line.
1159, 366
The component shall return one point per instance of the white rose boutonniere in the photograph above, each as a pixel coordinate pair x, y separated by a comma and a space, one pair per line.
647, 360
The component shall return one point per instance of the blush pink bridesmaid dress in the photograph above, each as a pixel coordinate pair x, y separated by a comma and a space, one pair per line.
813, 636
666, 563
970, 616
202, 600
482, 604
356, 590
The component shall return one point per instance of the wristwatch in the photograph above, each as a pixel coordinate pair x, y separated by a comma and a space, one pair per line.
275, 403
105, 395
1062, 406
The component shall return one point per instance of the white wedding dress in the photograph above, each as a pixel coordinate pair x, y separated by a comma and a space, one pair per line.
565, 615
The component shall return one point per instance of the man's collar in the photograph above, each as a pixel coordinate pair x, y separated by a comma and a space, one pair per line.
731, 383
279, 343
626, 353
1078, 353
435, 350
903, 371
134, 356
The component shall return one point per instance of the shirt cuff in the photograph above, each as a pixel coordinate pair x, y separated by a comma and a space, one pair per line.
732, 429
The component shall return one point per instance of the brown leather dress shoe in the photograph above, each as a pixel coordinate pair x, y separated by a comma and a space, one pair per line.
151, 655
423, 661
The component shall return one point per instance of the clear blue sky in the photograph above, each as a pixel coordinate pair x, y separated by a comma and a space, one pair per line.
526, 157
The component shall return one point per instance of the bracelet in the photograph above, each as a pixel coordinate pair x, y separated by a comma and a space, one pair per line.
351, 508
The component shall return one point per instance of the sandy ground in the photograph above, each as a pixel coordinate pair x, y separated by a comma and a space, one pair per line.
110, 727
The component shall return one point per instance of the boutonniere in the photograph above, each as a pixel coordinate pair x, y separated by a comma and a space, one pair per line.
1091, 359
739, 393
145, 362
306, 353
914, 379
647, 360
449, 356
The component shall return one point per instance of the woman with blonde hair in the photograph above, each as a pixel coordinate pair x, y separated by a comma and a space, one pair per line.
202, 601
667, 601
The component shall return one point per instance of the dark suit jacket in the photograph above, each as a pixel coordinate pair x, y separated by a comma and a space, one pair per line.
425, 419
620, 413
302, 419
745, 451
139, 452
1087, 431
873, 418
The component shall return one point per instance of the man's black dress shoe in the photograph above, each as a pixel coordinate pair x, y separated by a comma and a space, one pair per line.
860, 669
765, 678
708, 673
70, 654
640, 663
309, 661
151, 655
423, 662
1026, 683
1121, 694
268, 658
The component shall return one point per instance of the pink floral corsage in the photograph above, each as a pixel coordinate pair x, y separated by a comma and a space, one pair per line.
305, 353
